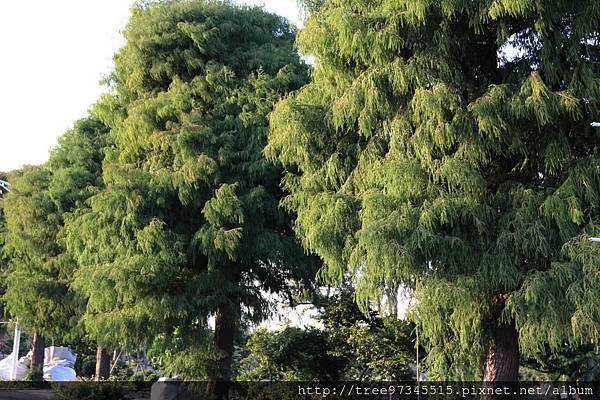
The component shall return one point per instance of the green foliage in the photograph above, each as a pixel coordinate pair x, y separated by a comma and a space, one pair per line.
575, 363
37, 282
141, 376
373, 347
289, 354
121, 372
34, 375
40, 270
89, 391
85, 350
187, 351
350, 346
446, 146
189, 221
76, 164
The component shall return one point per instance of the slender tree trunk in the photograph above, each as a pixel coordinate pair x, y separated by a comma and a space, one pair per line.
225, 325
37, 356
116, 354
502, 361
102, 363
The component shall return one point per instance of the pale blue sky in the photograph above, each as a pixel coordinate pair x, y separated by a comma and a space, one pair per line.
54, 54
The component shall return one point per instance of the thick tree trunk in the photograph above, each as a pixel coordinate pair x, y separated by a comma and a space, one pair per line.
225, 325
502, 361
102, 363
37, 357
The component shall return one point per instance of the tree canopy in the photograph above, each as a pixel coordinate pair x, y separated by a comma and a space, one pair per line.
442, 147
189, 224
446, 146
37, 282
40, 270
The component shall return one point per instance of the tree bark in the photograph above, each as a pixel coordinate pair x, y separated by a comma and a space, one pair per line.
220, 381
102, 363
502, 361
37, 355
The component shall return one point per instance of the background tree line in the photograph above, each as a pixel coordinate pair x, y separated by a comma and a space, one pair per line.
441, 147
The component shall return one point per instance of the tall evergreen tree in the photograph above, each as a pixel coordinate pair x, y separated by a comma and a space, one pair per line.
189, 224
38, 281
446, 145
76, 166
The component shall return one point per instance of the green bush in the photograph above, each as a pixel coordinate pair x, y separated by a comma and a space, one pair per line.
34, 375
144, 377
88, 391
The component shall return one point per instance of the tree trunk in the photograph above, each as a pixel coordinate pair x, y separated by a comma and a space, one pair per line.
116, 354
502, 361
225, 325
102, 363
37, 357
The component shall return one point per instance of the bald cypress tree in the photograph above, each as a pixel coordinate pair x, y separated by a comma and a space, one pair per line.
76, 167
446, 145
189, 225
37, 277
39, 273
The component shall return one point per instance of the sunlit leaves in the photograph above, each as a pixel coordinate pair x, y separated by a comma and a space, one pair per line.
188, 222
421, 151
41, 271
